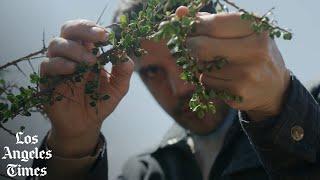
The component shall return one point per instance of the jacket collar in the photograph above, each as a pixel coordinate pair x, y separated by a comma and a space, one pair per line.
243, 156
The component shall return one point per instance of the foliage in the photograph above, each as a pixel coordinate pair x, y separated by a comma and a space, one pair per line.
156, 21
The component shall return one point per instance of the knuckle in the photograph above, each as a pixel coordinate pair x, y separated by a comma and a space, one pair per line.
261, 48
65, 26
54, 44
71, 25
198, 47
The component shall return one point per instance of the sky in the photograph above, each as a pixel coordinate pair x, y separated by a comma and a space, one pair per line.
138, 123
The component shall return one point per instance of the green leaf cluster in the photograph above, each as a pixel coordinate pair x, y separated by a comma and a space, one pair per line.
156, 21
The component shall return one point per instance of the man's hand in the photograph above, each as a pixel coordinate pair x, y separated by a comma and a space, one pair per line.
256, 70
75, 124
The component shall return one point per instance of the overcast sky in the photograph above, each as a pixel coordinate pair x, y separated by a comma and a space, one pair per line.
138, 122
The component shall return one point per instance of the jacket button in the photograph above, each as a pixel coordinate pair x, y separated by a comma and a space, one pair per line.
297, 133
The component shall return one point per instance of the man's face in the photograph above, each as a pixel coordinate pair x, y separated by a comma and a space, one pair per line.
161, 75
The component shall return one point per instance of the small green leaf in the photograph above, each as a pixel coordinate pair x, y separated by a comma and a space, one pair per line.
27, 113
278, 34
123, 21
93, 104
112, 38
59, 98
287, 36
34, 78
2, 81
200, 114
106, 97
184, 76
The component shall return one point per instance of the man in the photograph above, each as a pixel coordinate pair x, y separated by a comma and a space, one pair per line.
273, 134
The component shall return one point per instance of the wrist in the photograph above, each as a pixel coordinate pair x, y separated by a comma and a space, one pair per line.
73, 146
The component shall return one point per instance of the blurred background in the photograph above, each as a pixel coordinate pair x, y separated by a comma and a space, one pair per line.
138, 123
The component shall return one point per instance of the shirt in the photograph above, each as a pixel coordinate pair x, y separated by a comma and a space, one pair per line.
207, 147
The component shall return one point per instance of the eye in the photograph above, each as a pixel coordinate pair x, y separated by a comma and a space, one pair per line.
151, 72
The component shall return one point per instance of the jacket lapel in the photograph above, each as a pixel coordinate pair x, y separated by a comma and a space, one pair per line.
237, 154
243, 155
243, 158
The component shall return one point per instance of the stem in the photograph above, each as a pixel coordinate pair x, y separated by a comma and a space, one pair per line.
102, 13
258, 18
7, 130
27, 57
234, 5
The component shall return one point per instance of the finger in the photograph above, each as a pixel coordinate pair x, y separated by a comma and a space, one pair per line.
234, 50
223, 25
88, 46
120, 77
83, 30
69, 49
232, 88
202, 13
216, 84
57, 66
229, 86
182, 11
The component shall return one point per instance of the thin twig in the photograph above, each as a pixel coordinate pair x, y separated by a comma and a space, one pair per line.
258, 18
103, 11
44, 39
7, 130
270, 11
42, 51
234, 5
17, 66
31, 66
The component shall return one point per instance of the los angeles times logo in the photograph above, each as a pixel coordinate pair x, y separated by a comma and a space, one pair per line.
14, 170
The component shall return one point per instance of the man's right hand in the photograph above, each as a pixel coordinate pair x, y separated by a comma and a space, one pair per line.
75, 124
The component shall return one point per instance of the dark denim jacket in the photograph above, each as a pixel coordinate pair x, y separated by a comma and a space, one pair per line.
282, 147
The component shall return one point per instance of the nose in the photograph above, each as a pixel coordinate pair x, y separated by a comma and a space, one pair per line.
178, 86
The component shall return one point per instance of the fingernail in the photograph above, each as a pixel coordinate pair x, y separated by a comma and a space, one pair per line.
97, 29
100, 30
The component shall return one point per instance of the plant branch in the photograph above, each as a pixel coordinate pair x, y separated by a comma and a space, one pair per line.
258, 18
102, 13
27, 57
7, 130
